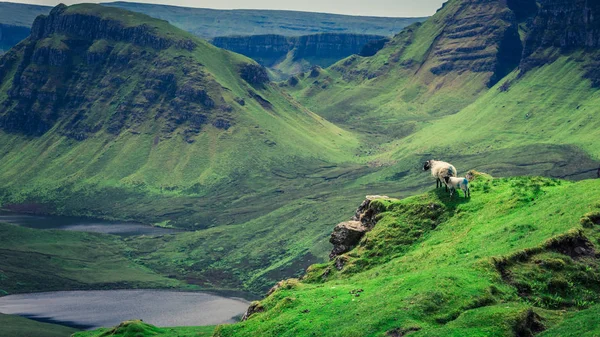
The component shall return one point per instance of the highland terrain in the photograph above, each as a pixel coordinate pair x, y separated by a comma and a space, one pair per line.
114, 114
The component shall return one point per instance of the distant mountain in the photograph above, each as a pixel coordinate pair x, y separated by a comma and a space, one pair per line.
210, 23
286, 56
310, 38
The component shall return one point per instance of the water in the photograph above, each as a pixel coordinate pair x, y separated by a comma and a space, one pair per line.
94, 309
81, 224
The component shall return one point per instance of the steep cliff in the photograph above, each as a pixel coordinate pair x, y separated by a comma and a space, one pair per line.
291, 55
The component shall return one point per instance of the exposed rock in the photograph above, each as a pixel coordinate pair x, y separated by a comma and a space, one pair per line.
255, 307
254, 74
480, 36
345, 236
93, 27
64, 74
573, 246
565, 25
367, 214
373, 47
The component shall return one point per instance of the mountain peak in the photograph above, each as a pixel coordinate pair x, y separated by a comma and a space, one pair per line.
91, 22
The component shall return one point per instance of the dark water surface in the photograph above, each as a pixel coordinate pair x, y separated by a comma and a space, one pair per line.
94, 309
81, 224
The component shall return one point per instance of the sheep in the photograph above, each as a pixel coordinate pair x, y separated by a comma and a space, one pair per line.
456, 183
440, 170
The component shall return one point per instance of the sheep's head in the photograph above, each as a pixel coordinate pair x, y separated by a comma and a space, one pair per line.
427, 165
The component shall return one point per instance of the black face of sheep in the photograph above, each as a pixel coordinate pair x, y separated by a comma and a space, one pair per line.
427, 166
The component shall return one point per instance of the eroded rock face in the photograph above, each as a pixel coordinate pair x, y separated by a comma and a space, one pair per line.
481, 36
92, 27
347, 235
86, 73
566, 24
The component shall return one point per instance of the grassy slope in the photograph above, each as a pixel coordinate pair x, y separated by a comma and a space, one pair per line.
15, 326
139, 328
269, 163
551, 105
434, 267
35, 260
393, 93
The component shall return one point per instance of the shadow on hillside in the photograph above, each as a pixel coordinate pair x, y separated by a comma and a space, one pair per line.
451, 202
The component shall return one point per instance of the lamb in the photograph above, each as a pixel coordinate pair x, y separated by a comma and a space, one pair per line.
456, 183
440, 170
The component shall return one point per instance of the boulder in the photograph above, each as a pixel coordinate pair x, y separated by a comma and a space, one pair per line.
345, 236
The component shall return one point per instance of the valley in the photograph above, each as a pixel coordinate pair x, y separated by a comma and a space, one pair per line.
111, 114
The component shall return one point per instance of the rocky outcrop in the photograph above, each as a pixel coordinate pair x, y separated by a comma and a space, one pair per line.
254, 74
373, 47
347, 235
481, 36
95, 27
564, 25
86, 73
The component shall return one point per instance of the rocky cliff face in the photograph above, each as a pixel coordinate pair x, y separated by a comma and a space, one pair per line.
321, 49
84, 73
564, 25
94, 27
481, 36
11, 35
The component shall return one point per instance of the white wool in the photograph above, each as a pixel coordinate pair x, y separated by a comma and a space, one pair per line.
459, 183
441, 169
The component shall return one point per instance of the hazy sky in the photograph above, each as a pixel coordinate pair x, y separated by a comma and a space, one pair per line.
352, 7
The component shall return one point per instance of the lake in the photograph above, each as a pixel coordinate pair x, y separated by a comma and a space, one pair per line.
81, 224
94, 309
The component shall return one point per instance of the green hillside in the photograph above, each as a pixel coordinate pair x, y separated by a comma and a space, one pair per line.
426, 72
34, 261
139, 328
16, 326
502, 263
161, 127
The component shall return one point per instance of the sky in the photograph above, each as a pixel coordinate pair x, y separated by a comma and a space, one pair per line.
395, 8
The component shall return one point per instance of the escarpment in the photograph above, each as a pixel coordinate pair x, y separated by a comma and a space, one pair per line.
318, 49
82, 72
91, 26
480, 36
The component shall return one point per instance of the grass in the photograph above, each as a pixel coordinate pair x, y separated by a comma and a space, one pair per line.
35, 260
139, 328
435, 270
16, 326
